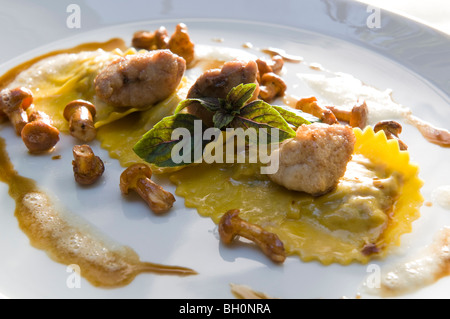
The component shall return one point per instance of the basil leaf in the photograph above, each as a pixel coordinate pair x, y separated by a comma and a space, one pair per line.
265, 120
262, 114
239, 95
157, 144
261, 128
296, 117
222, 119
210, 103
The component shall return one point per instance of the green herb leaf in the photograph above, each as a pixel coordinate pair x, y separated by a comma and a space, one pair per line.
236, 98
210, 103
157, 144
296, 117
222, 119
239, 95
259, 114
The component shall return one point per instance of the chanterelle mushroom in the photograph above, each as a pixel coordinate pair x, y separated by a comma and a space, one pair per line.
273, 66
80, 115
315, 160
147, 40
87, 167
231, 226
39, 134
13, 103
137, 177
392, 129
181, 44
271, 86
310, 105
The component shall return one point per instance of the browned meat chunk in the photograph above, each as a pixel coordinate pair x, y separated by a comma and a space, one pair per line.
219, 82
141, 79
315, 160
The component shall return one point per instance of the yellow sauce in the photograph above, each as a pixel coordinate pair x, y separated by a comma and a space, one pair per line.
342, 222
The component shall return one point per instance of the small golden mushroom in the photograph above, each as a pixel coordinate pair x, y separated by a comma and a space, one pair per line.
231, 225
357, 117
87, 167
151, 40
271, 86
275, 65
137, 178
80, 115
310, 105
39, 134
392, 130
14, 104
181, 44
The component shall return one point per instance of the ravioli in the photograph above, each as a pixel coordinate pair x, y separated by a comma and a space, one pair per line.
57, 80
118, 137
373, 205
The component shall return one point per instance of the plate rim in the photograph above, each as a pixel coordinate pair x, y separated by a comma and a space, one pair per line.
68, 39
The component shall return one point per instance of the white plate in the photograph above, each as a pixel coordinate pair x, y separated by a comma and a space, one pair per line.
409, 58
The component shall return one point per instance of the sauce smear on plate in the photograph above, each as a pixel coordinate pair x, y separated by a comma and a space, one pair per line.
64, 238
70, 241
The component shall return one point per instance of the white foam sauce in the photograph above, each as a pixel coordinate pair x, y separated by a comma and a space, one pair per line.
344, 90
418, 271
208, 52
441, 196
